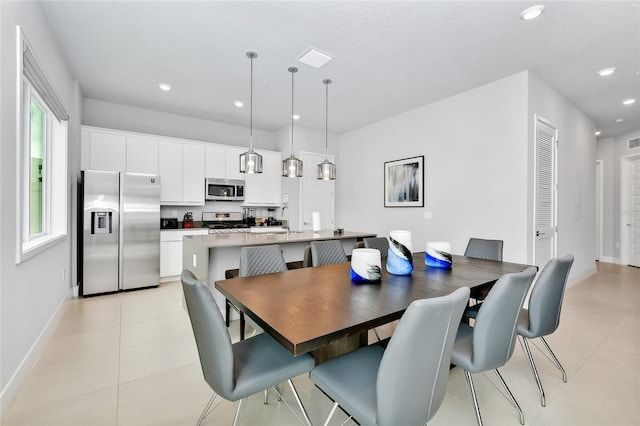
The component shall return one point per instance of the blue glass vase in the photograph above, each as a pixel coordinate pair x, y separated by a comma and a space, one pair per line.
438, 255
400, 255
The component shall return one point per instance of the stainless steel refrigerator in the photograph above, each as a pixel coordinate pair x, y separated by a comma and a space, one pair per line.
120, 231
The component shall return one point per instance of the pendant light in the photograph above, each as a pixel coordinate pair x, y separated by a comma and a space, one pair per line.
292, 167
326, 169
251, 161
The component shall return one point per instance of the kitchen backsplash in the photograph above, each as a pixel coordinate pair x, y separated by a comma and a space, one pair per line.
215, 206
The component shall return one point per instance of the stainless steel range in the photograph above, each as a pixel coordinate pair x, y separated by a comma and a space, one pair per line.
224, 222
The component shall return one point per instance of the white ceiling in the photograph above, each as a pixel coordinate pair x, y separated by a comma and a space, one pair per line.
389, 56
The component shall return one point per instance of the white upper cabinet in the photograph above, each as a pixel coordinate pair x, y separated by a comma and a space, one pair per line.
223, 162
181, 167
103, 151
215, 166
233, 162
193, 174
142, 155
264, 189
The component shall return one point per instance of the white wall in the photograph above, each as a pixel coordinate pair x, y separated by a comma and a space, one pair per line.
478, 148
124, 117
576, 174
475, 149
32, 292
611, 151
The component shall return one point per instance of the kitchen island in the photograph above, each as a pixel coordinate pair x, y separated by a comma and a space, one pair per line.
210, 256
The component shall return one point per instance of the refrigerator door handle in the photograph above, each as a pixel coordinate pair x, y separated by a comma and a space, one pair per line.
121, 234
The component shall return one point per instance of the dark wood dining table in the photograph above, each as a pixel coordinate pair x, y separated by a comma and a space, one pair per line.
320, 310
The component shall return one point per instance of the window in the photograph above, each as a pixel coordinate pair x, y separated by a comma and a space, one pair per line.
42, 162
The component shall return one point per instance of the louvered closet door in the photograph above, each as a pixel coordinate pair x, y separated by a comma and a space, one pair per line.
634, 259
545, 194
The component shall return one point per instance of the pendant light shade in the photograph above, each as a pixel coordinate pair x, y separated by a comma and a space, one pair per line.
251, 161
292, 166
326, 169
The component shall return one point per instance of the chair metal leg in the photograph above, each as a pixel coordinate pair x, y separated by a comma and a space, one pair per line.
239, 411
227, 311
467, 376
242, 324
527, 350
206, 411
511, 397
333, 410
377, 335
266, 396
295, 394
555, 360
277, 389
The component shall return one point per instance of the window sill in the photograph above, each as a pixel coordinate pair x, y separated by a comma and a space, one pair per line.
32, 248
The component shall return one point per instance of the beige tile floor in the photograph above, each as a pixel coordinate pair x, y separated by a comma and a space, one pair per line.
130, 359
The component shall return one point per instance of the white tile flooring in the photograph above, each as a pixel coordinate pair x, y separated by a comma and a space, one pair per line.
130, 359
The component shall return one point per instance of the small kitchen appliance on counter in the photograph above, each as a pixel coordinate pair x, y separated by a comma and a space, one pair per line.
168, 223
224, 222
187, 221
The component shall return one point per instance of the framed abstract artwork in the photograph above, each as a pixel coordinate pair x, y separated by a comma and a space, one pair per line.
404, 182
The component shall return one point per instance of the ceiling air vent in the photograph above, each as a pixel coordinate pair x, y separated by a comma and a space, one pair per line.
634, 143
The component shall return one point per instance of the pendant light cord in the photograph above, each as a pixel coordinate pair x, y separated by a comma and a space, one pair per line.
292, 70
326, 82
251, 107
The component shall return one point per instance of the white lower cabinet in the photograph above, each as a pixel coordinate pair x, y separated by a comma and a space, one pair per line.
171, 252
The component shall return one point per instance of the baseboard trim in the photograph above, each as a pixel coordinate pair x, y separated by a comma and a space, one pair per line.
17, 379
609, 259
575, 279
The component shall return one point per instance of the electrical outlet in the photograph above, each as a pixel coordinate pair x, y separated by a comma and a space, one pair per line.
194, 261
428, 215
174, 213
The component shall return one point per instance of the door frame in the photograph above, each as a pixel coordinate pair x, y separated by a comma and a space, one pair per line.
599, 208
625, 207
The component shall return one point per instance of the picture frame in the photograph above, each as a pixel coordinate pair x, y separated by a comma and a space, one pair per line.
404, 182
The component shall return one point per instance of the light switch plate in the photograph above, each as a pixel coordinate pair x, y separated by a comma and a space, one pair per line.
428, 215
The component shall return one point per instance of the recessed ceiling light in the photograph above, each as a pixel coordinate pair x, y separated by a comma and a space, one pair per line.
607, 71
314, 57
239, 104
598, 133
629, 101
164, 86
296, 116
532, 12
619, 120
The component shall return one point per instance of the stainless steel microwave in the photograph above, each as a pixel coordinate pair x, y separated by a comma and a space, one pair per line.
224, 190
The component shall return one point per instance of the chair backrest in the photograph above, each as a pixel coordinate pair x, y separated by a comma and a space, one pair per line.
484, 249
414, 371
212, 338
547, 294
261, 260
380, 243
327, 252
494, 330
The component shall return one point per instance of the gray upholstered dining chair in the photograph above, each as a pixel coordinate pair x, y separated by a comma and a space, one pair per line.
480, 248
405, 383
543, 314
484, 249
257, 261
489, 343
327, 252
380, 243
237, 371
306, 260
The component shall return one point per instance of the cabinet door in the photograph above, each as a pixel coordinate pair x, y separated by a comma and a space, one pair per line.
107, 151
215, 166
264, 189
233, 163
142, 155
170, 170
193, 174
170, 258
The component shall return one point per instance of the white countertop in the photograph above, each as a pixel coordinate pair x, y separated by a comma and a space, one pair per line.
258, 239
